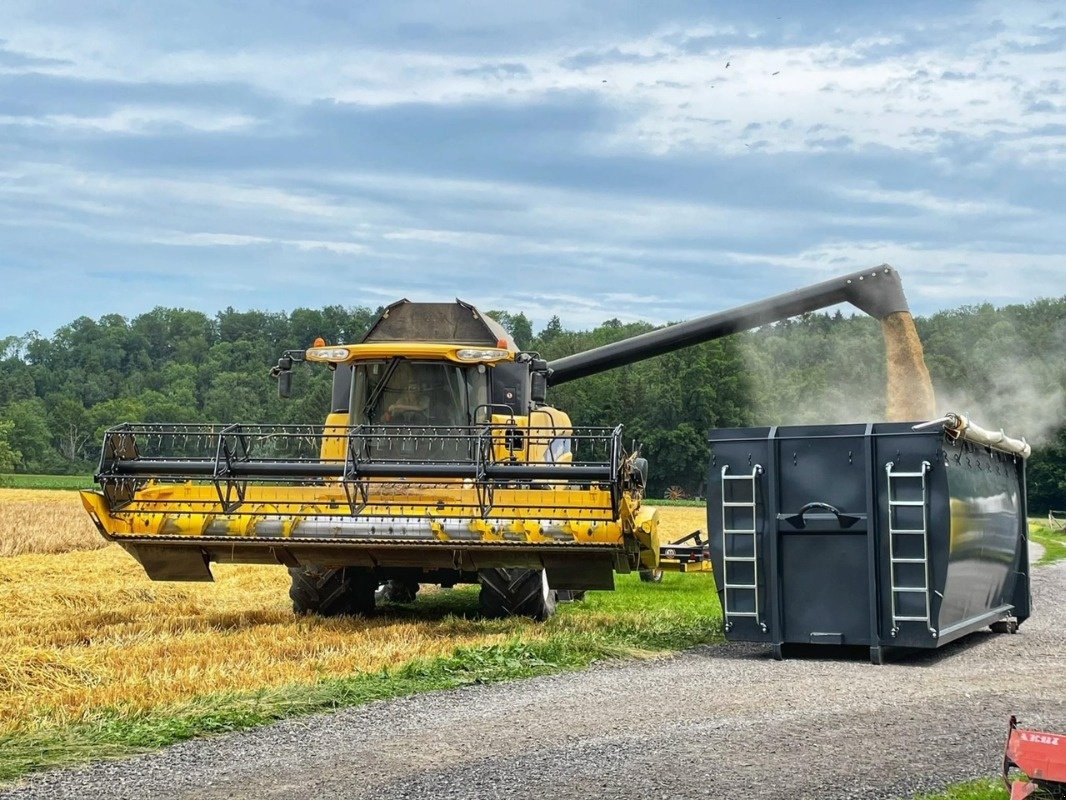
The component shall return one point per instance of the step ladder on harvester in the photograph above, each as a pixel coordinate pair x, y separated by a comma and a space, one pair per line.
909, 574
740, 547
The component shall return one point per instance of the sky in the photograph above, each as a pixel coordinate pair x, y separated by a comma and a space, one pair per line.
589, 160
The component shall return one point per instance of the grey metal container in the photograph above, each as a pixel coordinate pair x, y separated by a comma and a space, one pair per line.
873, 535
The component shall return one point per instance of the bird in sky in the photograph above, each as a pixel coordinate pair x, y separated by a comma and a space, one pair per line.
772, 73
727, 64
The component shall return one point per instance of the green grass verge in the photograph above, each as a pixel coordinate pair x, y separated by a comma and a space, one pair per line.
1053, 542
637, 620
983, 789
653, 501
66, 482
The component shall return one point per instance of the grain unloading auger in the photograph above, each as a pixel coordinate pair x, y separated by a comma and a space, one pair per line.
440, 462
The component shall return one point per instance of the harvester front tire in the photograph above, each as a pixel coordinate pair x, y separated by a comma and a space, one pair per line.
332, 592
516, 593
651, 575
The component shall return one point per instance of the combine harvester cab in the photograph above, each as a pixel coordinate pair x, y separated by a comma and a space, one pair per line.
887, 535
439, 462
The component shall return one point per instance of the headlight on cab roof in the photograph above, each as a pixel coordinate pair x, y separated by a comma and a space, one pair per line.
477, 354
328, 354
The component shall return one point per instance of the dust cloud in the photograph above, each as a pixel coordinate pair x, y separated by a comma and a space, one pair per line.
1014, 399
1000, 377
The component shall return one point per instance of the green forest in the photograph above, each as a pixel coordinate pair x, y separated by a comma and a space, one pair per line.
1006, 367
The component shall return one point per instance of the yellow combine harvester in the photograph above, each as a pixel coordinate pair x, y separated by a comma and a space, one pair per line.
439, 462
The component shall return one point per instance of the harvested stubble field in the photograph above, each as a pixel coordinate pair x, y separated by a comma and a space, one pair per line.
87, 642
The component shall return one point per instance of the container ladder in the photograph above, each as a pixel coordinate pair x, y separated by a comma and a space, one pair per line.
734, 553
896, 536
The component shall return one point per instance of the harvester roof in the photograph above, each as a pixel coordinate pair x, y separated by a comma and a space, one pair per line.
445, 323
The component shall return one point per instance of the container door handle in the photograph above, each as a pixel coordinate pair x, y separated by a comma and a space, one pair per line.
845, 520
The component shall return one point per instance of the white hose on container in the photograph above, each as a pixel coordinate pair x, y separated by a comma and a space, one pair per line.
958, 426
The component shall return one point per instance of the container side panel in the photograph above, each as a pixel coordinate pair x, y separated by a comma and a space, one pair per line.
985, 497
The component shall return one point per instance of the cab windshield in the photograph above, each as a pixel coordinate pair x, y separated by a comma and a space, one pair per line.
416, 393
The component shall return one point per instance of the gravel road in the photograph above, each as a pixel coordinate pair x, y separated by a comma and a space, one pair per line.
721, 721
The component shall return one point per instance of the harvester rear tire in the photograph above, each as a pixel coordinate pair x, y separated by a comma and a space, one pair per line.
516, 592
332, 592
651, 575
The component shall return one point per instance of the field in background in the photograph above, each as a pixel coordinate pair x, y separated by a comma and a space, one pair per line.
64, 482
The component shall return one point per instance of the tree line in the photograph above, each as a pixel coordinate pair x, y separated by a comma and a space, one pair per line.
1004, 366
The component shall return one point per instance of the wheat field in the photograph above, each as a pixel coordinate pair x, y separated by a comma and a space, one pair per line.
85, 629
44, 521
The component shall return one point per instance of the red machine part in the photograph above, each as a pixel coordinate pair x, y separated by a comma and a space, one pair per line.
1041, 757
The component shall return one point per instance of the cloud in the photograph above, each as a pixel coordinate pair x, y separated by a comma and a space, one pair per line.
587, 59
498, 71
881, 86
15, 61
925, 201
136, 120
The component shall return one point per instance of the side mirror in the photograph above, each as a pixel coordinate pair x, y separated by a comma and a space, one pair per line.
285, 384
640, 467
538, 387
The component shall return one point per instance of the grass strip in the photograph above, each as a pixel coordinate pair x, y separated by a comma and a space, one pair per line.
64, 482
691, 503
981, 789
606, 626
1053, 542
